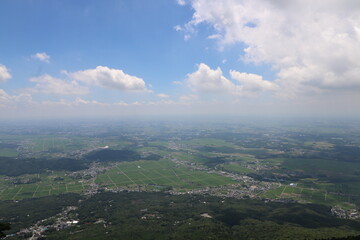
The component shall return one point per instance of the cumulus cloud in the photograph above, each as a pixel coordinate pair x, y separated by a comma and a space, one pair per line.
110, 78
311, 44
51, 85
252, 82
4, 74
7, 100
42, 57
78, 83
207, 80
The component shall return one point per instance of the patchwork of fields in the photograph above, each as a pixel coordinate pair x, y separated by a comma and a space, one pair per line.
45, 184
18, 192
319, 194
332, 183
149, 175
156, 174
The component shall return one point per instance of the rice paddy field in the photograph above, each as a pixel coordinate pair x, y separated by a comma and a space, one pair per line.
149, 175
320, 193
45, 187
157, 174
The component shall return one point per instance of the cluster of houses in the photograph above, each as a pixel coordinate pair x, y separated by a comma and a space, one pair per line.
345, 213
56, 223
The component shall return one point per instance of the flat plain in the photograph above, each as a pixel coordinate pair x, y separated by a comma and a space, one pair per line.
158, 174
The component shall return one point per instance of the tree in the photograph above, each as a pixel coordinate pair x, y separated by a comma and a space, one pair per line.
4, 227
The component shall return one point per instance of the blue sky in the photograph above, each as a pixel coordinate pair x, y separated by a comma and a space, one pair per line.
179, 56
136, 37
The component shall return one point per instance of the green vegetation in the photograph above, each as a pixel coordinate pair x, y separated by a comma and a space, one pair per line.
4, 227
320, 181
21, 166
46, 184
208, 142
109, 155
234, 167
320, 145
301, 171
157, 174
22, 214
318, 167
162, 216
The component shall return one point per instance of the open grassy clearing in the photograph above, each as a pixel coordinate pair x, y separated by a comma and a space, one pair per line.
159, 173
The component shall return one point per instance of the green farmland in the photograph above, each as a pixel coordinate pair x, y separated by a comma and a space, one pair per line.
309, 195
149, 175
45, 187
157, 174
233, 167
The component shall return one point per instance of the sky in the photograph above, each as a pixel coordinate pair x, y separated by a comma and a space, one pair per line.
115, 58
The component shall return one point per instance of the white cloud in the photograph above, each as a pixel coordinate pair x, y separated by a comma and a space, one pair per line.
80, 101
162, 95
178, 28
313, 45
187, 37
77, 103
110, 78
51, 85
7, 100
121, 103
3, 96
177, 83
100, 76
215, 36
4, 74
252, 82
42, 57
207, 80
181, 2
